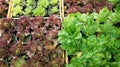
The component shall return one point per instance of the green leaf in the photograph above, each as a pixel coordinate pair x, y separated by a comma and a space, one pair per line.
30, 2
17, 2
39, 11
114, 1
53, 2
28, 10
95, 36
17, 10
115, 17
19, 62
54, 9
43, 3
103, 15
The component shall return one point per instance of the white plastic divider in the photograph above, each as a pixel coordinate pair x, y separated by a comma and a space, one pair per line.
43, 17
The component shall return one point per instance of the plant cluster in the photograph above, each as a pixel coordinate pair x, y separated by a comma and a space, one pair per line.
92, 40
86, 6
3, 8
35, 7
30, 42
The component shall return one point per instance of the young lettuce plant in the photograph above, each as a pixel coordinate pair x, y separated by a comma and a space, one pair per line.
28, 10
30, 2
17, 10
39, 11
18, 2
70, 34
53, 8
18, 6
29, 6
53, 2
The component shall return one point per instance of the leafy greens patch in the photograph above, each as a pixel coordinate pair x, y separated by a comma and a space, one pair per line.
92, 40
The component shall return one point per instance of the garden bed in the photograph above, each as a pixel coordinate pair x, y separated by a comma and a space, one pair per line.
38, 35
30, 42
92, 39
85, 6
32, 8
